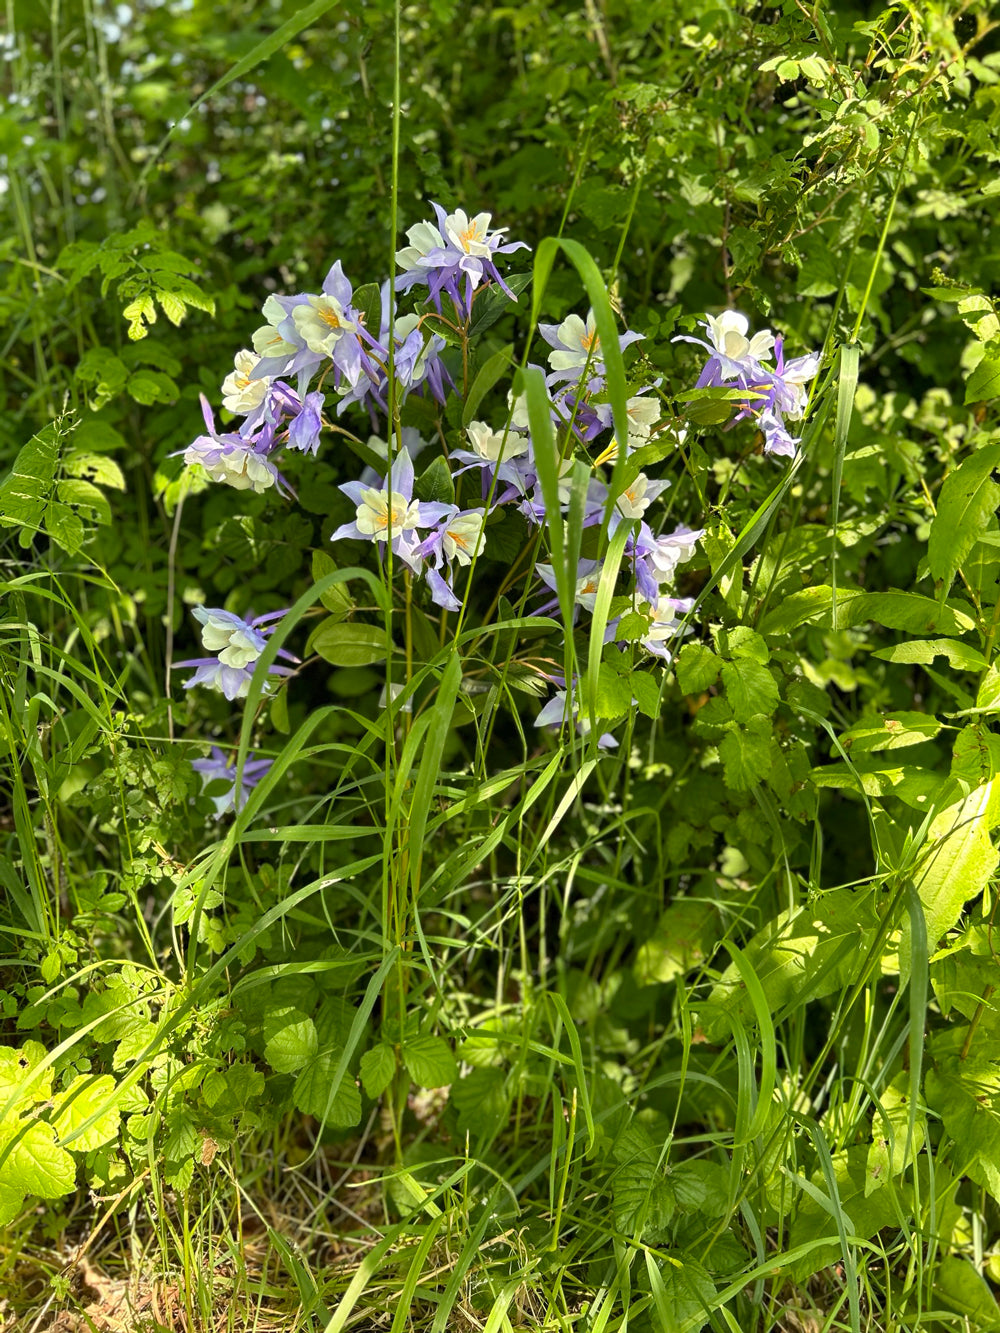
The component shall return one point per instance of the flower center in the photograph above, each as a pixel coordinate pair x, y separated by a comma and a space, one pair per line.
329, 318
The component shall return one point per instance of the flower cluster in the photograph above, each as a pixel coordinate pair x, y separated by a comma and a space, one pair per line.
314, 350
774, 393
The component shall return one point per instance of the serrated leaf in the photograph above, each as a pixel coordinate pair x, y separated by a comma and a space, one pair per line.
25, 490
311, 1093
480, 1101
84, 495
983, 383
746, 758
97, 468
750, 689
172, 306
377, 1069
614, 693
646, 693
151, 386
632, 627
347, 645
430, 1062
290, 1039
697, 668
65, 526
33, 1163
968, 500
85, 1097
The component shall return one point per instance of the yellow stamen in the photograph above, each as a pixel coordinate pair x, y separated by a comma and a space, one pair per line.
329, 318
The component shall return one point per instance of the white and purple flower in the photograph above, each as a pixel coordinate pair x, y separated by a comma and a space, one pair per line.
388, 514
235, 644
218, 768
460, 252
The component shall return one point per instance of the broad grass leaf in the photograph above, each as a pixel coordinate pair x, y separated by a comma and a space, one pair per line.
968, 500
906, 611
430, 1062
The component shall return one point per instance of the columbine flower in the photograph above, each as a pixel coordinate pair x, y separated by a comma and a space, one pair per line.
656, 558
391, 515
240, 392
457, 251
577, 344
235, 645
664, 625
635, 499
458, 537
731, 353
563, 708
321, 323
242, 463
588, 577
219, 769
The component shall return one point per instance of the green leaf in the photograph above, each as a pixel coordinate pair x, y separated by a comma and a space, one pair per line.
488, 375
893, 731
646, 692
25, 490
311, 1093
907, 611
64, 526
632, 627
697, 668
959, 858
921, 652
480, 1101
377, 1069
32, 1164
962, 1289
746, 758
151, 386
337, 600
491, 302
683, 938
347, 645
85, 1097
614, 693
290, 1039
435, 485
172, 306
750, 689
968, 501
97, 468
808, 604
367, 300
84, 495
430, 1062
984, 382
641, 1201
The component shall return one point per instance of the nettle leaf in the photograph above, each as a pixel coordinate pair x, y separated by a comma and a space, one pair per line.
88, 1097
25, 491
19, 1079
746, 756
750, 689
290, 1039
614, 693
311, 1093
646, 693
32, 1163
378, 1066
430, 1062
968, 501
697, 668
642, 1201
480, 1101
347, 645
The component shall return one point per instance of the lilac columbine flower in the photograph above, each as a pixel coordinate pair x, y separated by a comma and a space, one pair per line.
635, 499
416, 361
731, 352
219, 769
577, 345
562, 708
459, 250
457, 538
391, 516
588, 577
656, 558
241, 463
235, 645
